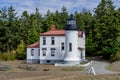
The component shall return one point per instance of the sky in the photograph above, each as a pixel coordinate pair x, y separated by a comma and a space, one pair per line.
53, 5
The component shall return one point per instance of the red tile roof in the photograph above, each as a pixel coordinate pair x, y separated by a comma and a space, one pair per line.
34, 45
55, 32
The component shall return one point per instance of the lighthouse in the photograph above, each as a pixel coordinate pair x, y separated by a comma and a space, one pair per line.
71, 42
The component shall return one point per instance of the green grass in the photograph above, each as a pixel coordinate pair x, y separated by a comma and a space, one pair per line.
109, 67
83, 62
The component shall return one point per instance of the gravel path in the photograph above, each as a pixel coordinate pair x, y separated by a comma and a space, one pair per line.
100, 67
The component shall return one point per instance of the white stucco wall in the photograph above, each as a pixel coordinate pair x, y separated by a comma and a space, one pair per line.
82, 45
59, 54
81, 42
35, 56
72, 37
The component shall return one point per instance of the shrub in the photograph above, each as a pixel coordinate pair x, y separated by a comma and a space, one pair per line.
20, 51
12, 55
7, 56
1, 56
115, 57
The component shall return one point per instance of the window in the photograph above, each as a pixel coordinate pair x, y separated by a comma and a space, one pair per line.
52, 51
32, 52
48, 61
71, 22
52, 40
70, 46
62, 46
38, 52
44, 40
44, 51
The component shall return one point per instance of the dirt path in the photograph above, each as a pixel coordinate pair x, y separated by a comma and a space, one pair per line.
100, 67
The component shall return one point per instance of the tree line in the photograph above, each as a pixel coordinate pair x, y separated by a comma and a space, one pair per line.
102, 29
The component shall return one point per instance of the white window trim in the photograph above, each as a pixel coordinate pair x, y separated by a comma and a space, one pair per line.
53, 52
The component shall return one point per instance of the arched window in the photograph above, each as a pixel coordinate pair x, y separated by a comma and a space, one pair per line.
32, 52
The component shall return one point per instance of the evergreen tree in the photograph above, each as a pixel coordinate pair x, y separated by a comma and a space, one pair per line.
9, 25
48, 21
64, 17
25, 27
105, 29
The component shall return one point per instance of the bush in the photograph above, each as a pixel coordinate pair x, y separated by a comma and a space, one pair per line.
1, 56
7, 56
115, 57
20, 51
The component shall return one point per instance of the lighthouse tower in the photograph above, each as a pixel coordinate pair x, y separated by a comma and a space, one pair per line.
71, 42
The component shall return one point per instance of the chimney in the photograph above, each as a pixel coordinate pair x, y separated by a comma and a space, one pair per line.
53, 27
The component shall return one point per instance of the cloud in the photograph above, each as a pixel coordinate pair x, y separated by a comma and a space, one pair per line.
52, 5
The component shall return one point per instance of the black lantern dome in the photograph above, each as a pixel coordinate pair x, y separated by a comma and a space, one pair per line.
71, 24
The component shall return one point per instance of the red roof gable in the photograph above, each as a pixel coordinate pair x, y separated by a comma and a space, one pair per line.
54, 32
34, 45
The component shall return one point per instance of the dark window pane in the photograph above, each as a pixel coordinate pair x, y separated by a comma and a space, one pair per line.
38, 52
52, 51
62, 46
52, 40
70, 46
44, 51
44, 40
48, 61
32, 52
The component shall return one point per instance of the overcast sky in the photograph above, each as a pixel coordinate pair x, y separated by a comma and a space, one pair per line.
52, 5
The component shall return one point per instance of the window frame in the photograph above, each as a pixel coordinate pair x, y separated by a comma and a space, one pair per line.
53, 52
52, 40
62, 46
38, 52
32, 52
44, 51
44, 40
